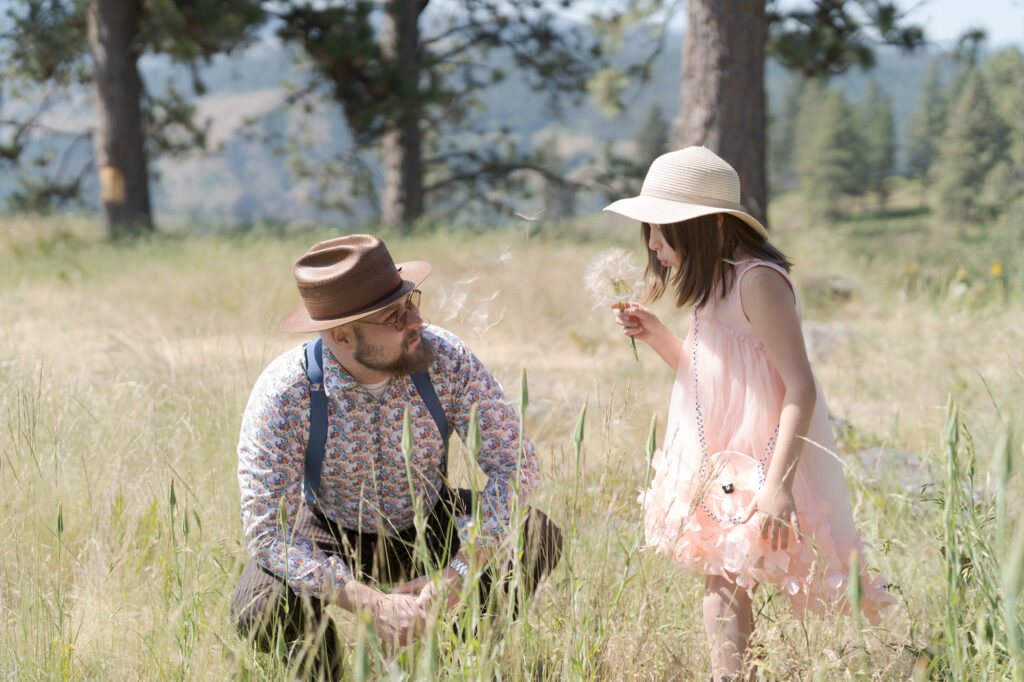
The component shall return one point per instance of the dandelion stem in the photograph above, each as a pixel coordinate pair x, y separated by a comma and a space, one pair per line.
632, 341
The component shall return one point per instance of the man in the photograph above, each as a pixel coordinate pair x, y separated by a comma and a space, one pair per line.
334, 524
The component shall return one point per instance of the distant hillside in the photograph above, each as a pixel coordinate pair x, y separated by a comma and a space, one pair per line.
240, 179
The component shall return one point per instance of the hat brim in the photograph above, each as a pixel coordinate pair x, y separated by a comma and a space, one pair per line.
647, 209
299, 319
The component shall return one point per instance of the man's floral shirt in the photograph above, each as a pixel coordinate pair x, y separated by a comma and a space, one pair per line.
364, 483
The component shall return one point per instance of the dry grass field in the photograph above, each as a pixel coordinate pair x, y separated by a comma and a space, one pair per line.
125, 369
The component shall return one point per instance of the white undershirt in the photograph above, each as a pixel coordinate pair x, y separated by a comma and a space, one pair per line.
377, 389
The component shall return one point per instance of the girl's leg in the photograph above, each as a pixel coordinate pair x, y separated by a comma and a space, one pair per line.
728, 620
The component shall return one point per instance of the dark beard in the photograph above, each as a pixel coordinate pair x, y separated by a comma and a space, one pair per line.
412, 361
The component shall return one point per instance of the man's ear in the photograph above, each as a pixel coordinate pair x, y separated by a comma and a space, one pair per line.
342, 336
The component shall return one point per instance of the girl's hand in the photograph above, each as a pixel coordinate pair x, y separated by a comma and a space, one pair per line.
637, 321
779, 509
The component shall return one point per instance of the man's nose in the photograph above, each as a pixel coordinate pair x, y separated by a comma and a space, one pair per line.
414, 320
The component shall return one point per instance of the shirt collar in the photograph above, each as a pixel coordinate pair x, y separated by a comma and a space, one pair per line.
337, 380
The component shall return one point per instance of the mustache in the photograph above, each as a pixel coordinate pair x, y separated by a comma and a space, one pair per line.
409, 338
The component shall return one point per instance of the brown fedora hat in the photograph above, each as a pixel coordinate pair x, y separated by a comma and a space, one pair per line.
341, 280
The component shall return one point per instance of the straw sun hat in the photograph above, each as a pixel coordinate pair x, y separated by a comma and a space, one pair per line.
686, 184
342, 280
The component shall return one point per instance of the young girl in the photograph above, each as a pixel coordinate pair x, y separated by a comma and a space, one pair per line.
746, 488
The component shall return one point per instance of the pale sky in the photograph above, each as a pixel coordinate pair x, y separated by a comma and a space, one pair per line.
945, 20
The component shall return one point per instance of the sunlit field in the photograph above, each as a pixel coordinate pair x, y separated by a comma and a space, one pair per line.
125, 369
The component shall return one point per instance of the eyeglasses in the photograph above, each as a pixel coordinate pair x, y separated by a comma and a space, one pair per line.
402, 314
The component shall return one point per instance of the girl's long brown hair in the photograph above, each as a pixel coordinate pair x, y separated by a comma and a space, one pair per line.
703, 244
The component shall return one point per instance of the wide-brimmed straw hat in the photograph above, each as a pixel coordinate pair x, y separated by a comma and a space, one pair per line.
686, 184
342, 280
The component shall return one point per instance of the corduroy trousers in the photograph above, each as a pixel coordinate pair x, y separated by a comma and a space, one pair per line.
269, 613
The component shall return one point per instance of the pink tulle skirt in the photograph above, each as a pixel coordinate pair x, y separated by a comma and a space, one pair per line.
813, 573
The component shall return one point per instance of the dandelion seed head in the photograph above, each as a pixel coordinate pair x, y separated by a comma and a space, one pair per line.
612, 277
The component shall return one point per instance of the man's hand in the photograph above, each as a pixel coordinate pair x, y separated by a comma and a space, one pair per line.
396, 618
428, 589
446, 585
399, 618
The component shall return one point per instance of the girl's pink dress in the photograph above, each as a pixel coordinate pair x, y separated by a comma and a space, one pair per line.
740, 397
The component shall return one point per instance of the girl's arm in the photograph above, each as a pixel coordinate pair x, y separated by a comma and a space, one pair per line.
640, 323
768, 303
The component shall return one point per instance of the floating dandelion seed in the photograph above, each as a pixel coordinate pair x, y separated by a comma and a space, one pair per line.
612, 278
452, 302
532, 217
481, 320
458, 301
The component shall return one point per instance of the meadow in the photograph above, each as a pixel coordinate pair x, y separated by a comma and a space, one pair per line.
125, 368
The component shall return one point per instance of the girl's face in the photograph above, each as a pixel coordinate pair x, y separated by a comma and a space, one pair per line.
657, 243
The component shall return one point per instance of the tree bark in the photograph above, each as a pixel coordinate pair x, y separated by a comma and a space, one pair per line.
119, 139
401, 146
722, 98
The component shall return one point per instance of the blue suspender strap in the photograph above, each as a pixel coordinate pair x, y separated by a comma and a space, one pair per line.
317, 422
425, 387
317, 444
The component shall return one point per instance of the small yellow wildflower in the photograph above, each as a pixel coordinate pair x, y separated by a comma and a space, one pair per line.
961, 273
997, 269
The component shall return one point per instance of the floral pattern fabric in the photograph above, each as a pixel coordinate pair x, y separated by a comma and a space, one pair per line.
364, 483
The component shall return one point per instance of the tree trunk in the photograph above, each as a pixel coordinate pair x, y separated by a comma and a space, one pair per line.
722, 99
119, 139
401, 146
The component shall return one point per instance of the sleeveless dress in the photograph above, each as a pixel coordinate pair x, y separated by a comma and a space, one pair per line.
740, 397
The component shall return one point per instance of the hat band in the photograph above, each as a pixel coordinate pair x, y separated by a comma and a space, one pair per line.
691, 199
368, 308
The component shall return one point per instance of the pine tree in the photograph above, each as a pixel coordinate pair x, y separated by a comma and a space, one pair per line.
408, 76
874, 125
722, 93
966, 55
782, 136
828, 163
1004, 72
926, 126
51, 46
808, 108
973, 144
651, 136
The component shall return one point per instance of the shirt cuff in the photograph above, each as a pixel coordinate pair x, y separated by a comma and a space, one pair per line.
341, 575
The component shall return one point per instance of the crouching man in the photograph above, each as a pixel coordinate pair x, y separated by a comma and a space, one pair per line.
327, 496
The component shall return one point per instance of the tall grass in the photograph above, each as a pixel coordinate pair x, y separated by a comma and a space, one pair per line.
126, 367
